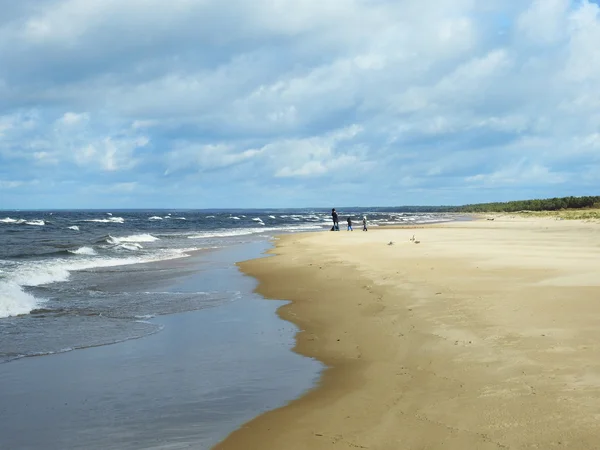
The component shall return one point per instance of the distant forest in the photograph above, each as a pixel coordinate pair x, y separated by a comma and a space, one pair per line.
547, 204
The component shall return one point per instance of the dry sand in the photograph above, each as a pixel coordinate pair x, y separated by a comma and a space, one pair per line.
485, 335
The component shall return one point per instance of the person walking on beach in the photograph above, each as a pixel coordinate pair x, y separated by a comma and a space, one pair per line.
336, 223
349, 224
365, 223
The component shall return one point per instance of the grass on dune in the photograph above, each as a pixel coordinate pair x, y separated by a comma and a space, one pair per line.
565, 214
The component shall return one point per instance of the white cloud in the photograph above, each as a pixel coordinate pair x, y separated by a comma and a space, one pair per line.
500, 93
70, 118
112, 154
544, 21
314, 156
317, 168
5, 184
205, 157
522, 173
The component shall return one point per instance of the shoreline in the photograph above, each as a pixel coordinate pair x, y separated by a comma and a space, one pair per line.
445, 361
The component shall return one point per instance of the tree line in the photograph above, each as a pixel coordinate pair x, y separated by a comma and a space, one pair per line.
546, 204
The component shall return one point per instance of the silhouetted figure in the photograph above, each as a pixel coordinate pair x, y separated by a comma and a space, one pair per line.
365, 223
349, 224
336, 223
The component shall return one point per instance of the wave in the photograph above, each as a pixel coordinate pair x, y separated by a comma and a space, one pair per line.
235, 218
155, 218
248, 231
272, 217
136, 238
14, 300
36, 222
109, 220
74, 228
132, 246
216, 234
83, 251
11, 221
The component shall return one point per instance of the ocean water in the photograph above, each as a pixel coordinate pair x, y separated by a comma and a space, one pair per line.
65, 276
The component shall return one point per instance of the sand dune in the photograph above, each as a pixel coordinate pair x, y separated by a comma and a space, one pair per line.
485, 335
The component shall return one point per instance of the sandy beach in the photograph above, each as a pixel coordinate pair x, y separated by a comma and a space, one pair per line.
484, 335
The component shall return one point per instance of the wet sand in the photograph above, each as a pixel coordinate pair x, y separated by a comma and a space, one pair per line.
485, 335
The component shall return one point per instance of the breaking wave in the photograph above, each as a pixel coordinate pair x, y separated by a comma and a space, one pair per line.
249, 231
14, 300
136, 238
83, 251
109, 220
8, 220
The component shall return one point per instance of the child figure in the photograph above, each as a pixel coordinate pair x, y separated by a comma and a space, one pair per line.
349, 224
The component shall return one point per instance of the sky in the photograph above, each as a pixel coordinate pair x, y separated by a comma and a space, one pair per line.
274, 103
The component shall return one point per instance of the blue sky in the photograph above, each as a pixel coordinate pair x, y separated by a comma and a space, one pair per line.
270, 103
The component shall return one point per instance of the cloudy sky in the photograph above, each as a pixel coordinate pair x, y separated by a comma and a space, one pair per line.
277, 103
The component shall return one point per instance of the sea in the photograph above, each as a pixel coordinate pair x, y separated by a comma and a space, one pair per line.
91, 291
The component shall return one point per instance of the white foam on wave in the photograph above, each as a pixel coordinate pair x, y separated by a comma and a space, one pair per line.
15, 301
109, 220
84, 251
38, 273
74, 228
137, 238
35, 222
9, 220
132, 246
223, 233
236, 218
155, 218
272, 217
248, 231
